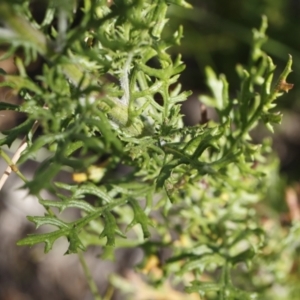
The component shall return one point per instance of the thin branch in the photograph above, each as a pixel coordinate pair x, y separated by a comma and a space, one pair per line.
12, 162
89, 278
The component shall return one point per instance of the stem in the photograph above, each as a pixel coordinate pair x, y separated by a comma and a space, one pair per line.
225, 280
12, 162
109, 293
89, 278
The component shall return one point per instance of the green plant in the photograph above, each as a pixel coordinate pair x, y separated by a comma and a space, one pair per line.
108, 95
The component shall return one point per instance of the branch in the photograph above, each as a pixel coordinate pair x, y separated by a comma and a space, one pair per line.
12, 162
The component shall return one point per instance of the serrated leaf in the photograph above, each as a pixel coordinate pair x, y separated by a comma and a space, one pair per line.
181, 97
92, 189
62, 205
47, 238
70, 232
110, 229
272, 118
15, 132
98, 212
48, 220
140, 218
79, 191
106, 130
75, 243
216, 86
196, 146
202, 262
166, 171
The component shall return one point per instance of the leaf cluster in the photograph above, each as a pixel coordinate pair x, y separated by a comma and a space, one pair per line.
108, 95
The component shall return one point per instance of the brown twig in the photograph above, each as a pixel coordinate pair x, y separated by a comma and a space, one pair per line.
291, 199
17, 155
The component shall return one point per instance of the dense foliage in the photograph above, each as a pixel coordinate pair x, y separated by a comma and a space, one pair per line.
107, 97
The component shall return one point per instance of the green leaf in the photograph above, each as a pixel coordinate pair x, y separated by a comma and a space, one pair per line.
245, 256
110, 229
182, 3
17, 83
43, 177
166, 171
39, 221
202, 262
91, 189
217, 87
75, 243
71, 232
9, 106
39, 143
62, 205
15, 132
140, 218
47, 238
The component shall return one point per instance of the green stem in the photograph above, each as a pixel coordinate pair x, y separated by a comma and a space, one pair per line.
89, 278
225, 280
109, 293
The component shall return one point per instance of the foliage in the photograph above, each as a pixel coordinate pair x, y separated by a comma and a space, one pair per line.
108, 95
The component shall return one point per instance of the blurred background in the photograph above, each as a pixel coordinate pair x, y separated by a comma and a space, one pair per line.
217, 33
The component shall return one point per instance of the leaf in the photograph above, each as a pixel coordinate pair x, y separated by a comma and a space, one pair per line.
140, 218
181, 97
15, 132
203, 287
17, 83
62, 205
75, 243
70, 232
245, 256
105, 128
39, 143
9, 106
110, 229
181, 3
202, 262
47, 238
196, 146
43, 177
166, 171
91, 189
217, 87
39, 221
